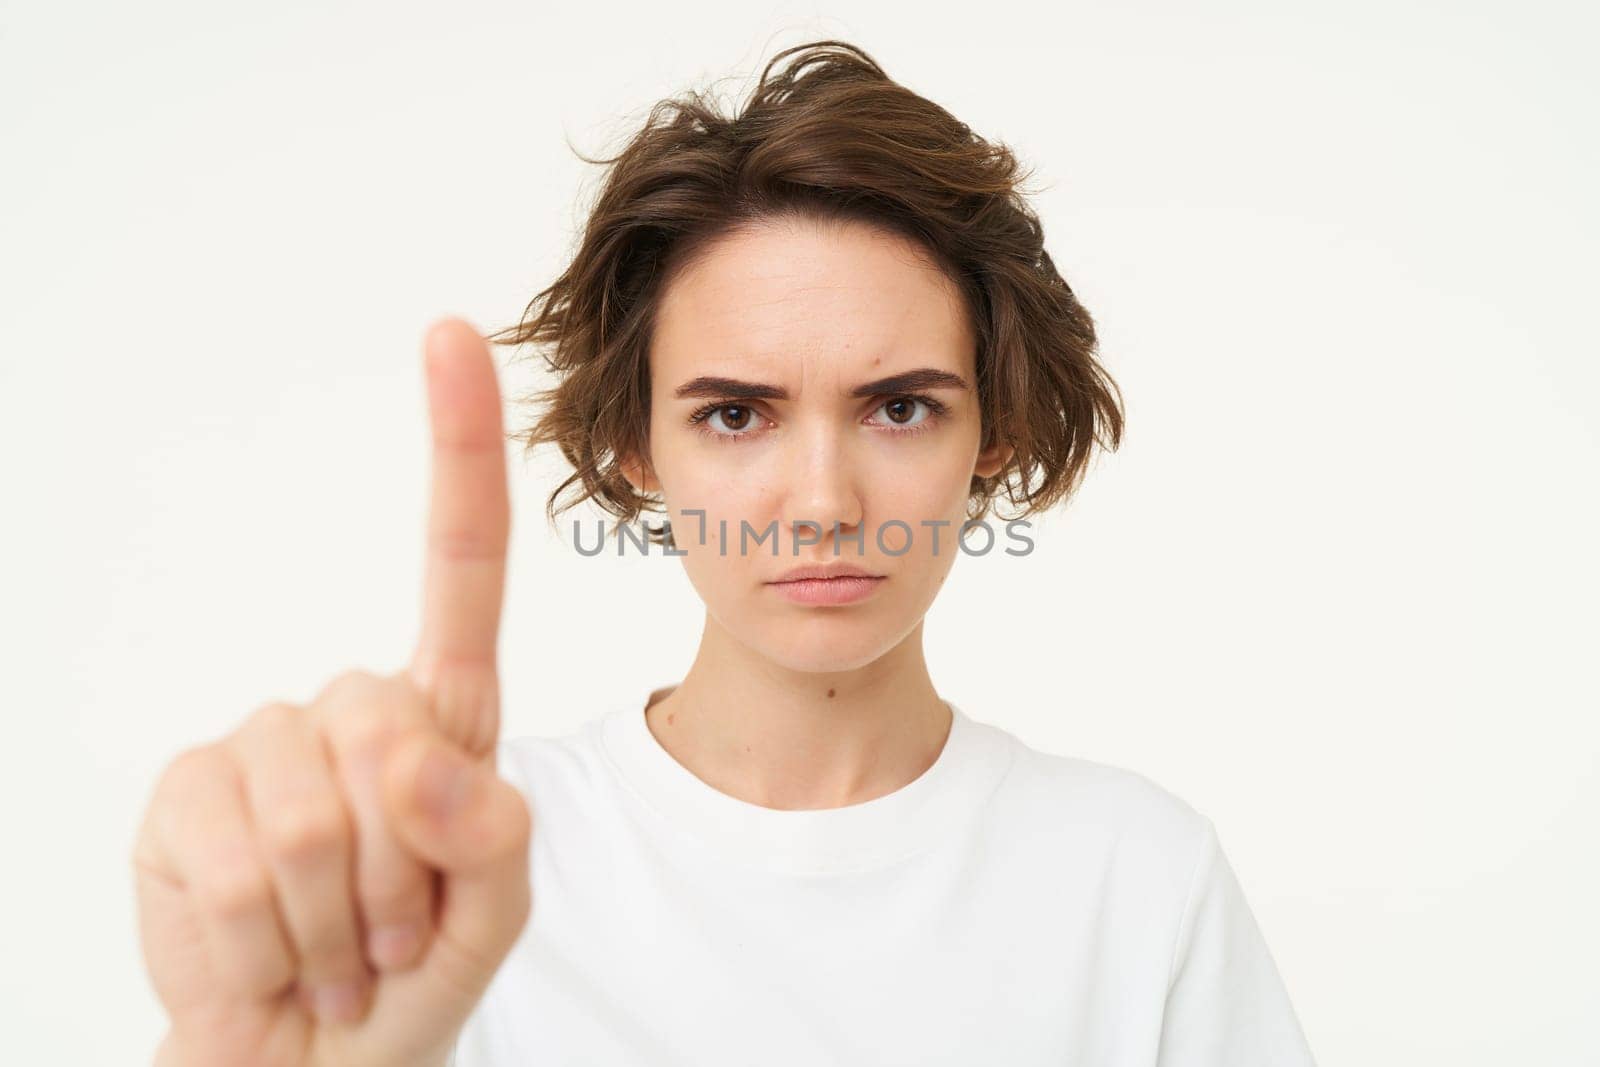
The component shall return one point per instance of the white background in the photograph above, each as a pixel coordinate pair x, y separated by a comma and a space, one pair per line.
1337, 589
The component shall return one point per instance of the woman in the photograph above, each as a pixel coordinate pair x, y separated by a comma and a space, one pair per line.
822, 336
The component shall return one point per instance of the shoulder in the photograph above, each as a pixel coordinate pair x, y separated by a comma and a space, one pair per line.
1090, 800
546, 767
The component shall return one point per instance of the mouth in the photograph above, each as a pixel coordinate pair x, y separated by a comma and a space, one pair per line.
825, 572
842, 589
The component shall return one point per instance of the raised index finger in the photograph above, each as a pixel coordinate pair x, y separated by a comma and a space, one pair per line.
469, 524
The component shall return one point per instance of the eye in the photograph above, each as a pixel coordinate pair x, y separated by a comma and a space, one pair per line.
731, 422
735, 419
903, 416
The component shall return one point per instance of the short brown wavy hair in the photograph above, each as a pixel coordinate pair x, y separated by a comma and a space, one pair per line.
827, 136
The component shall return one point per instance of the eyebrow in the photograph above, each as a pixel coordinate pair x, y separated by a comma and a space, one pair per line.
908, 381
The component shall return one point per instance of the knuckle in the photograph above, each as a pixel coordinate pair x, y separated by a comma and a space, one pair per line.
349, 687
362, 731
361, 719
466, 544
233, 889
519, 819
185, 768
303, 833
521, 907
171, 798
511, 830
460, 963
394, 902
272, 717
186, 774
332, 945
331, 937
144, 856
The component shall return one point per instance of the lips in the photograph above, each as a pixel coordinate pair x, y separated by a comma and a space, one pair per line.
824, 572
823, 585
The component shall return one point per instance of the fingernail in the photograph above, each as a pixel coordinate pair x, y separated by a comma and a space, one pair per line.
443, 781
394, 944
338, 1003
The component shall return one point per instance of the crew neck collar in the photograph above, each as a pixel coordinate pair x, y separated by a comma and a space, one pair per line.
857, 837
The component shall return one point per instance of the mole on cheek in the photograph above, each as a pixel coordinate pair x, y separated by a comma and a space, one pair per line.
830, 692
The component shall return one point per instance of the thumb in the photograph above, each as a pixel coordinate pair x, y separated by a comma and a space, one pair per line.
458, 816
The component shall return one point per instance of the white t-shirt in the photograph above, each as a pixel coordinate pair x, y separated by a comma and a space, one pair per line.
1007, 907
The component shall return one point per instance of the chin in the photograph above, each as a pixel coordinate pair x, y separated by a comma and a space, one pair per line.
824, 640
822, 660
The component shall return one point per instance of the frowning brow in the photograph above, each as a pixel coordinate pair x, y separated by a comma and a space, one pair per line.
906, 382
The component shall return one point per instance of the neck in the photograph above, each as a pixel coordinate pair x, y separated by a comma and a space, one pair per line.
788, 739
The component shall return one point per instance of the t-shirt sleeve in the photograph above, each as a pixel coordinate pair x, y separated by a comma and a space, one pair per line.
1226, 1003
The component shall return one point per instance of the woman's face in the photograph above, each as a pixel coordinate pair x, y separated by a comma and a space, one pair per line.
805, 325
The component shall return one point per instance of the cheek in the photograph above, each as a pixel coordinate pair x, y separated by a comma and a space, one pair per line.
709, 504
930, 484
696, 476
717, 497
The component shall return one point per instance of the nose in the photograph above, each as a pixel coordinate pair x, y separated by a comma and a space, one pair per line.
822, 488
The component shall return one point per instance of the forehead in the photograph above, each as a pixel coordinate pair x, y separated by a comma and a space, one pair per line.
786, 291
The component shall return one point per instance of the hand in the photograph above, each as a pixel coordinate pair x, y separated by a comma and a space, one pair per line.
279, 869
